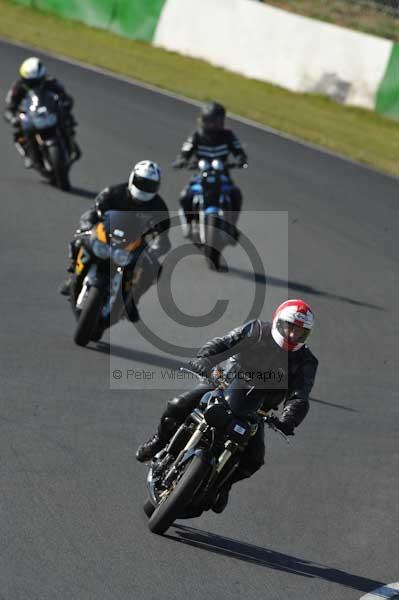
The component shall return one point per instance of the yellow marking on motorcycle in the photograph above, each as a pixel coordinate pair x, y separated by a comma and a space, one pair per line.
101, 234
133, 245
79, 261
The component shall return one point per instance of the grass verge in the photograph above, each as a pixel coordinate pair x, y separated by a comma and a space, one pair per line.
356, 133
361, 16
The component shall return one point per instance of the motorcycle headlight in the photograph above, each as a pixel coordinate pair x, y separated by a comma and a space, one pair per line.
121, 257
101, 250
45, 121
217, 415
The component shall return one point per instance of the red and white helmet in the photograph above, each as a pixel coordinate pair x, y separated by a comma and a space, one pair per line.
292, 324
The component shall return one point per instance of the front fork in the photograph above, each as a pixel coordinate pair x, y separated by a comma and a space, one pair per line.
187, 451
114, 291
91, 280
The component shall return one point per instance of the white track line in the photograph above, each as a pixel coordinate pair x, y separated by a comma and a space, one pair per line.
387, 591
181, 98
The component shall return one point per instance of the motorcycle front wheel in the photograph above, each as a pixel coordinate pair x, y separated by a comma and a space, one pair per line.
57, 160
170, 508
212, 248
88, 317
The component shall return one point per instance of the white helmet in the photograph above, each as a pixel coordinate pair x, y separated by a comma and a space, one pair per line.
292, 324
144, 180
32, 70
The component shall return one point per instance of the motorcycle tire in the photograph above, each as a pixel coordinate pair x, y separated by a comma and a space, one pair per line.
168, 511
212, 248
57, 160
148, 508
88, 318
97, 334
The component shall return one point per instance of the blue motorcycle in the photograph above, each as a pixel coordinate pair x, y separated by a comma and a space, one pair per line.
212, 225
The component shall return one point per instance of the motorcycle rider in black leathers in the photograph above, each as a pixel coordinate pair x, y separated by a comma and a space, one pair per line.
210, 141
33, 76
140, 197
274, 359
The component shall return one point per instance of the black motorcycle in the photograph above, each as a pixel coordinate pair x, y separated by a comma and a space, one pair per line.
43, 136
212, 225
185, 477
107, 268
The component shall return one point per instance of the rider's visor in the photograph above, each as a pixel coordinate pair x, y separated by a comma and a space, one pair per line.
145, 185
292, 333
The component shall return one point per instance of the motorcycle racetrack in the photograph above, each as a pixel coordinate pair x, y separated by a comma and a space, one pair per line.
320, 520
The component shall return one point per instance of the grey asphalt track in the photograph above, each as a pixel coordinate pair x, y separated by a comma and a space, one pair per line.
320, 520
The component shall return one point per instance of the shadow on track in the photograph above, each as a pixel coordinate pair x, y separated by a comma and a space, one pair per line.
298, 287
341, 406
74, 191
263, 557
137, 355
83, 193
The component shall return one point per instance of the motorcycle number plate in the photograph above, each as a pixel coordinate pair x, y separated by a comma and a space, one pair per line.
238, 429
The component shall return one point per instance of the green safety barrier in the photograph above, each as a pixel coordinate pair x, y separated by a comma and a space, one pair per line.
388, 92
136, 19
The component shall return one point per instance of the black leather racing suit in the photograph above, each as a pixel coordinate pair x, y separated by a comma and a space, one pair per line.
210, 145
153, 214
278, 376
20, 89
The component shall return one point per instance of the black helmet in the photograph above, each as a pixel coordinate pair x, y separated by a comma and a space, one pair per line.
212, 116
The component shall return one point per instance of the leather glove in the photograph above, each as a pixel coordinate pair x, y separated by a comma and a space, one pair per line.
286, 427
201, 366
241, 162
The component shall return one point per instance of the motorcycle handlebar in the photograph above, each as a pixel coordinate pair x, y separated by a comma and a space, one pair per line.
211, 380
269, 420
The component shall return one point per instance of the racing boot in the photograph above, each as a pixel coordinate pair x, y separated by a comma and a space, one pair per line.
149, 449
222, 499
76, 152
185, 224
65, 288
132, 311
235, 234
28, 162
